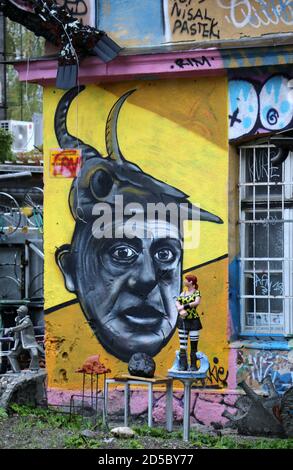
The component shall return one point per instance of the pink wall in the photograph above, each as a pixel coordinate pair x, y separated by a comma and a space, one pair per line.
175, 64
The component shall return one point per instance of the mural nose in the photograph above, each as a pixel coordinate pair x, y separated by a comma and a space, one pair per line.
144, 280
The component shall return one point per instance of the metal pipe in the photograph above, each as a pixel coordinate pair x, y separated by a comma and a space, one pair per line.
19, 174
36, 250
186, 413
26, 271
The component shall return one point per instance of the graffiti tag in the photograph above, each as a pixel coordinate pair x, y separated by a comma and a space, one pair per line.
76, 7
259, 170
217, 374
65, 163
257, 13
194, 62
193, 20
262, 364
268, 287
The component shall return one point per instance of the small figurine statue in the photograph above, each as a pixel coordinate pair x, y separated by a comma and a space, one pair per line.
24, 339
188, 322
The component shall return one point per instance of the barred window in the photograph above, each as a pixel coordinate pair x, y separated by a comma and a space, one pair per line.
266, 241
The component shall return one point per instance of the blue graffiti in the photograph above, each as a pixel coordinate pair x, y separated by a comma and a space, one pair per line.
282, 382
257, 106
243, 108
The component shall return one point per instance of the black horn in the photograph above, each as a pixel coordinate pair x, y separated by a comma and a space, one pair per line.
112, 144
65, 139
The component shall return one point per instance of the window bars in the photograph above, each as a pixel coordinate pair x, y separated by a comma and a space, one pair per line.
266, 241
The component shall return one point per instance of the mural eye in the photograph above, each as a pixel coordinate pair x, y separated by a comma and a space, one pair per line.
243, 108
164, 255
276, 106
123, 253
101, 184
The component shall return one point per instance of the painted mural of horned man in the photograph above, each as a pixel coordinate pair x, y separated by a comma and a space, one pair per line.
126, 284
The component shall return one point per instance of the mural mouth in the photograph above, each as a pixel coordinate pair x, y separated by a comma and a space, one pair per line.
143, 316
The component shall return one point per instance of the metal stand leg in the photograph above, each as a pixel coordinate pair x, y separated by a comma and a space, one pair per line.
106, 391
150, 407
83, 391
169, 406
104, 403
126, 395
186, 418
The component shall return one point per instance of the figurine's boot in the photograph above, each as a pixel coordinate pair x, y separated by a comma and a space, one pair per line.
193, 361
14, 363
193, 357
183, 365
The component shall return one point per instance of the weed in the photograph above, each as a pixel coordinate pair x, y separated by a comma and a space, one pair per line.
74, 442
81, 442
228, 442
22, 410
51, 418
154, 432
133, 444
3, 414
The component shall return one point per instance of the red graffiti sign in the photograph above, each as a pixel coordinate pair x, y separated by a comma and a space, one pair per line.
65, 163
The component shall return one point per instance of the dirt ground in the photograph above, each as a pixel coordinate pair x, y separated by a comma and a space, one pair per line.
25, 428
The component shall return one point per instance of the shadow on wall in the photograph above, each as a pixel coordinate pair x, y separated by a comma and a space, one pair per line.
234, 300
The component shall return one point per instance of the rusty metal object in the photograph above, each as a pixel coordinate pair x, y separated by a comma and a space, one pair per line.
93, 365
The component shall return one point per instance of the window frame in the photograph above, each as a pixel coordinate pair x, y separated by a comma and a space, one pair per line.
287, 259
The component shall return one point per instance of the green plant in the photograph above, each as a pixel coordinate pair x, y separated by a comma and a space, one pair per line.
3, 414
73, 442
133, 444
6, 141
203, 440
153, 432
22, 410
50, 417
80, 442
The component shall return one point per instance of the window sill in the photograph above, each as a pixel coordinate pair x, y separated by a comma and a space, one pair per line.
281, 344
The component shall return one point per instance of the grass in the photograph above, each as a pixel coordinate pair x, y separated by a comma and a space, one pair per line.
3, 414
157, 432
42, 426
46, 417
200, 440
238, 442
79, 442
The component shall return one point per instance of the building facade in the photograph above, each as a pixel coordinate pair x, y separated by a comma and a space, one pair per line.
206, 86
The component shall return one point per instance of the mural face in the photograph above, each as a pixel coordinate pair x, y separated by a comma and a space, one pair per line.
126, 289
260, 105
118, 293
126, 284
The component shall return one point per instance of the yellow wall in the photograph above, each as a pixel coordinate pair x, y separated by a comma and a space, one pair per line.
175, 130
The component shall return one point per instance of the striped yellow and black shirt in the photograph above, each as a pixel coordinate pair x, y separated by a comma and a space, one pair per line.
184, 299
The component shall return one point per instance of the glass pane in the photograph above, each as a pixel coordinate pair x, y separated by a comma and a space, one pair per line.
276, 265
277, 320
249, 284
262, 305
262, 319
276, 284
276, 306
264, 238
250, 319
261, 171
276, 235
261, 281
